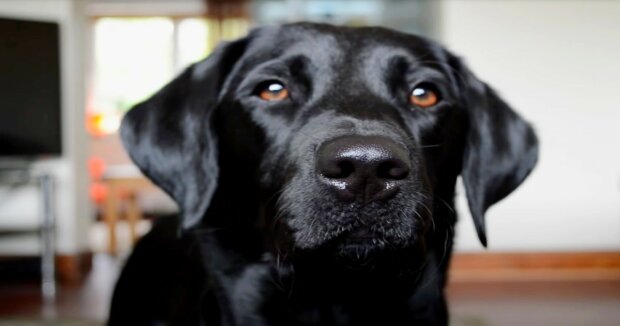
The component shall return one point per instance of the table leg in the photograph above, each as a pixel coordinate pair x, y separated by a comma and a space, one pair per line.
110, 215
133, 216
48, 267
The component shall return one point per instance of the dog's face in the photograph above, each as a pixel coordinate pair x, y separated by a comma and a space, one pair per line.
347, 137
342, 139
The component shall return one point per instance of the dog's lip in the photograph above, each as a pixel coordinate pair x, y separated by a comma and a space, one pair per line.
356, 237
359, 233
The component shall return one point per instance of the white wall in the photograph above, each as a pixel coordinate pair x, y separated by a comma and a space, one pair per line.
72, 203
557, 63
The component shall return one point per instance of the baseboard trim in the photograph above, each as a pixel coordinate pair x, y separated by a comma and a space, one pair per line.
528, 267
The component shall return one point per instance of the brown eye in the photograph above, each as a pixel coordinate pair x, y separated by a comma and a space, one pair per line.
273, 91
423, 96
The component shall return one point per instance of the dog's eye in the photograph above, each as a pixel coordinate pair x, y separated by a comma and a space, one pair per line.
272, 91
424, 96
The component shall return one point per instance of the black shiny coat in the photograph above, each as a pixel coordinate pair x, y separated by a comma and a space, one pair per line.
263, 241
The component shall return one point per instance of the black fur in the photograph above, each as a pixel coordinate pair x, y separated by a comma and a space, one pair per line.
275, 245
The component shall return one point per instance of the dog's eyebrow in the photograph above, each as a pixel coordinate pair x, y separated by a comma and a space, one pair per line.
272, 67
278, 66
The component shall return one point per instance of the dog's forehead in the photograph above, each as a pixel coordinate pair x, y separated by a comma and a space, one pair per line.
291, 41
326, 44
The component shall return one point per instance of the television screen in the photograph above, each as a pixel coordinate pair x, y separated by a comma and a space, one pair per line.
29, 88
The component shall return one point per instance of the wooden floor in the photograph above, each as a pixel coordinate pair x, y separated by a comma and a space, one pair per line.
562, 303
478, 303
88, 300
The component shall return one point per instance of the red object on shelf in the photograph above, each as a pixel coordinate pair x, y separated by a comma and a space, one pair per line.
96, 167
98, 192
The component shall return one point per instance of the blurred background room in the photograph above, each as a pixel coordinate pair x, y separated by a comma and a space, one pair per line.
72, 206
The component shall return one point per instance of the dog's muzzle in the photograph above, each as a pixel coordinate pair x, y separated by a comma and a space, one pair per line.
364, 168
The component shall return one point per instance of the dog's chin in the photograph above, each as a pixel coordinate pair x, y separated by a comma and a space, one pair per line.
359, 246
365, 253
358, 254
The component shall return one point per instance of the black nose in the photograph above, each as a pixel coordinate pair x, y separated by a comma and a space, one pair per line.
363, 167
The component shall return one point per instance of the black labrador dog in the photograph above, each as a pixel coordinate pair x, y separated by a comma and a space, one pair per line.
315, 169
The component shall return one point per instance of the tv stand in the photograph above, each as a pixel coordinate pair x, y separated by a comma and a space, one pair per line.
17, 177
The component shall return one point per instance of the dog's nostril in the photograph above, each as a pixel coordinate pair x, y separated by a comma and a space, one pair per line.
393, 170
336, 169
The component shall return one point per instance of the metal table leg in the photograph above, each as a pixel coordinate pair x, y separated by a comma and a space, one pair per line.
48, 284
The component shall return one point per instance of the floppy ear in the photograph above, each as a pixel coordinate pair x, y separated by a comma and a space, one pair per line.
500, 148
170, 136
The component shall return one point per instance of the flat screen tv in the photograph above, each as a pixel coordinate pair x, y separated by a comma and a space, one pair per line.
30, 114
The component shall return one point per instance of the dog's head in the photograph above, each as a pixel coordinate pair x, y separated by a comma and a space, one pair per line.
340, 139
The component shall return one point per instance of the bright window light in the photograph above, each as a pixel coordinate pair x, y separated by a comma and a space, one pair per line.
133, 58
192, 41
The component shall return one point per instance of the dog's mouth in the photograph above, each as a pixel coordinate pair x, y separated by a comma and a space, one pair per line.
364, 250
358, 249
360, 234
352, 228
363, 241
361, 238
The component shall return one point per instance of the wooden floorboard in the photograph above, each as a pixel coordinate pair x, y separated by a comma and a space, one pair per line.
472, 301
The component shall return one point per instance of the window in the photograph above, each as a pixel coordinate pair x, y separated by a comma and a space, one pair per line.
134, 57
